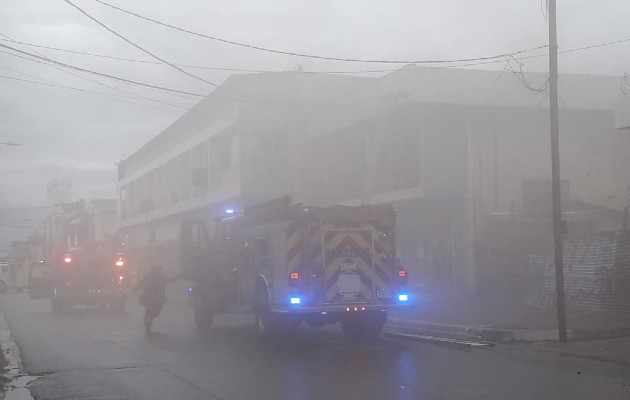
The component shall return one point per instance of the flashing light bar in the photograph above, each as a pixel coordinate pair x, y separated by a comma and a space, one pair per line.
295, 300
403, 297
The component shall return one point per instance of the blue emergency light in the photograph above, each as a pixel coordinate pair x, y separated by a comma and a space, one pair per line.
229, 211
403, 297
295, 300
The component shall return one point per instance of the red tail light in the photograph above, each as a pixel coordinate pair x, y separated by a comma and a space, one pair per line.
120, 260
67, 258
294, 278
402, 273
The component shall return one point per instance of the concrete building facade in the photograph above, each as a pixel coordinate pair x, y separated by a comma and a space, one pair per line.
452, 147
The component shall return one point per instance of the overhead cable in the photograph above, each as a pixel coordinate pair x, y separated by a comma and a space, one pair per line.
140, 47
305, 55
118, 78
93, 80
85, 90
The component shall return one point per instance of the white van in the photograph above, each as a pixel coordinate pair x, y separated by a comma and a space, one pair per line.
14, 275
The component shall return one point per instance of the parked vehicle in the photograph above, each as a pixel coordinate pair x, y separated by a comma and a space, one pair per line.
85, 267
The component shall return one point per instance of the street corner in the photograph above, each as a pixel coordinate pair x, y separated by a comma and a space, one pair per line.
615, 351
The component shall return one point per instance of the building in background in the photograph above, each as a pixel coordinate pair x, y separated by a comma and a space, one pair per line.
464, 152
59, 191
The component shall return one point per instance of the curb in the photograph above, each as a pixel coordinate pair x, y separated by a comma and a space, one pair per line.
483, 333
17, 380
10, 350
489, 334
442, 341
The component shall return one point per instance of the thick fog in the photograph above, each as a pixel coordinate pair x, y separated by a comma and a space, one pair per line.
378, 169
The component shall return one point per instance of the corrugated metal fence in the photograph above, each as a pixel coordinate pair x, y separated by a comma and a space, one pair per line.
596, 271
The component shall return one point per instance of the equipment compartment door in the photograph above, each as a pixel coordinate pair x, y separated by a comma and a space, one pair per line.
194, 248
349, 266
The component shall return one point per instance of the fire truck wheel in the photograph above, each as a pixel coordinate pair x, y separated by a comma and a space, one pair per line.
363, 326
262, 313
60, 306
268, 324
3, 287
117, 306
203, 318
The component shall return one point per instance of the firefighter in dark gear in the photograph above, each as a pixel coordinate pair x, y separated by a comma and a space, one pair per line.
153, 295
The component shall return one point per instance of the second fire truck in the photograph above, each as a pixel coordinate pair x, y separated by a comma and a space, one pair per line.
293, 264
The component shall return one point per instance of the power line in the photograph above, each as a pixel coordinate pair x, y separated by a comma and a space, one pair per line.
76, 74
48, 62
140, 47
47, 82
252, 100
76, 89
79, 52
255, 99
229, 69
235, 69
129, 81
292, 53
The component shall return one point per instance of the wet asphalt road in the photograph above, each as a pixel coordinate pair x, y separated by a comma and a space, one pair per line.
91, 354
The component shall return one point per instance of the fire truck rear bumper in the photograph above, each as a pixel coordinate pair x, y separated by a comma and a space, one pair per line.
340, 308
90, 295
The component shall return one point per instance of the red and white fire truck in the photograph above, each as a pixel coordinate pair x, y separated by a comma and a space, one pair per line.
292, 263
85, 263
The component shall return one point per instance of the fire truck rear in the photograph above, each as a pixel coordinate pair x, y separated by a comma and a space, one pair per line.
85, 264
295, 264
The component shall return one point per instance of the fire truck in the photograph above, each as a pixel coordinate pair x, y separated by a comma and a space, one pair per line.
85, 263
293, 263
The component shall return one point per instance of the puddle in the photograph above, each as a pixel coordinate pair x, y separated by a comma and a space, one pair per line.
18, 390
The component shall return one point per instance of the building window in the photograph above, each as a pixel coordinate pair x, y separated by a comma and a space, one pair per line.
123, 203
183, 176
221, 152
272, 142
170, 181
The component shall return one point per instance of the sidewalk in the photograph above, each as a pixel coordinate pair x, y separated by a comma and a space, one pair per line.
4, 378
500, 319
609, 350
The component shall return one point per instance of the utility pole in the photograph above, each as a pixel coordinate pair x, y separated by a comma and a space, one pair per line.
558, 228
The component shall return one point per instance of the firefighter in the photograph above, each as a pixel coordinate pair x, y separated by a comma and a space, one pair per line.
153, 295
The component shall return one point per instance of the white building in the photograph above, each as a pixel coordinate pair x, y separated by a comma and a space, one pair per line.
450, 145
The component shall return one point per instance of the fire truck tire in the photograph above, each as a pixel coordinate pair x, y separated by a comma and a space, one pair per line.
262, 312
3, 287
269, 324
60, 306
203, 318
363, 326
117, 306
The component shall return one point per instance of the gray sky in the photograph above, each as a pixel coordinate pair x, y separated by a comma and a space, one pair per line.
82, 135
